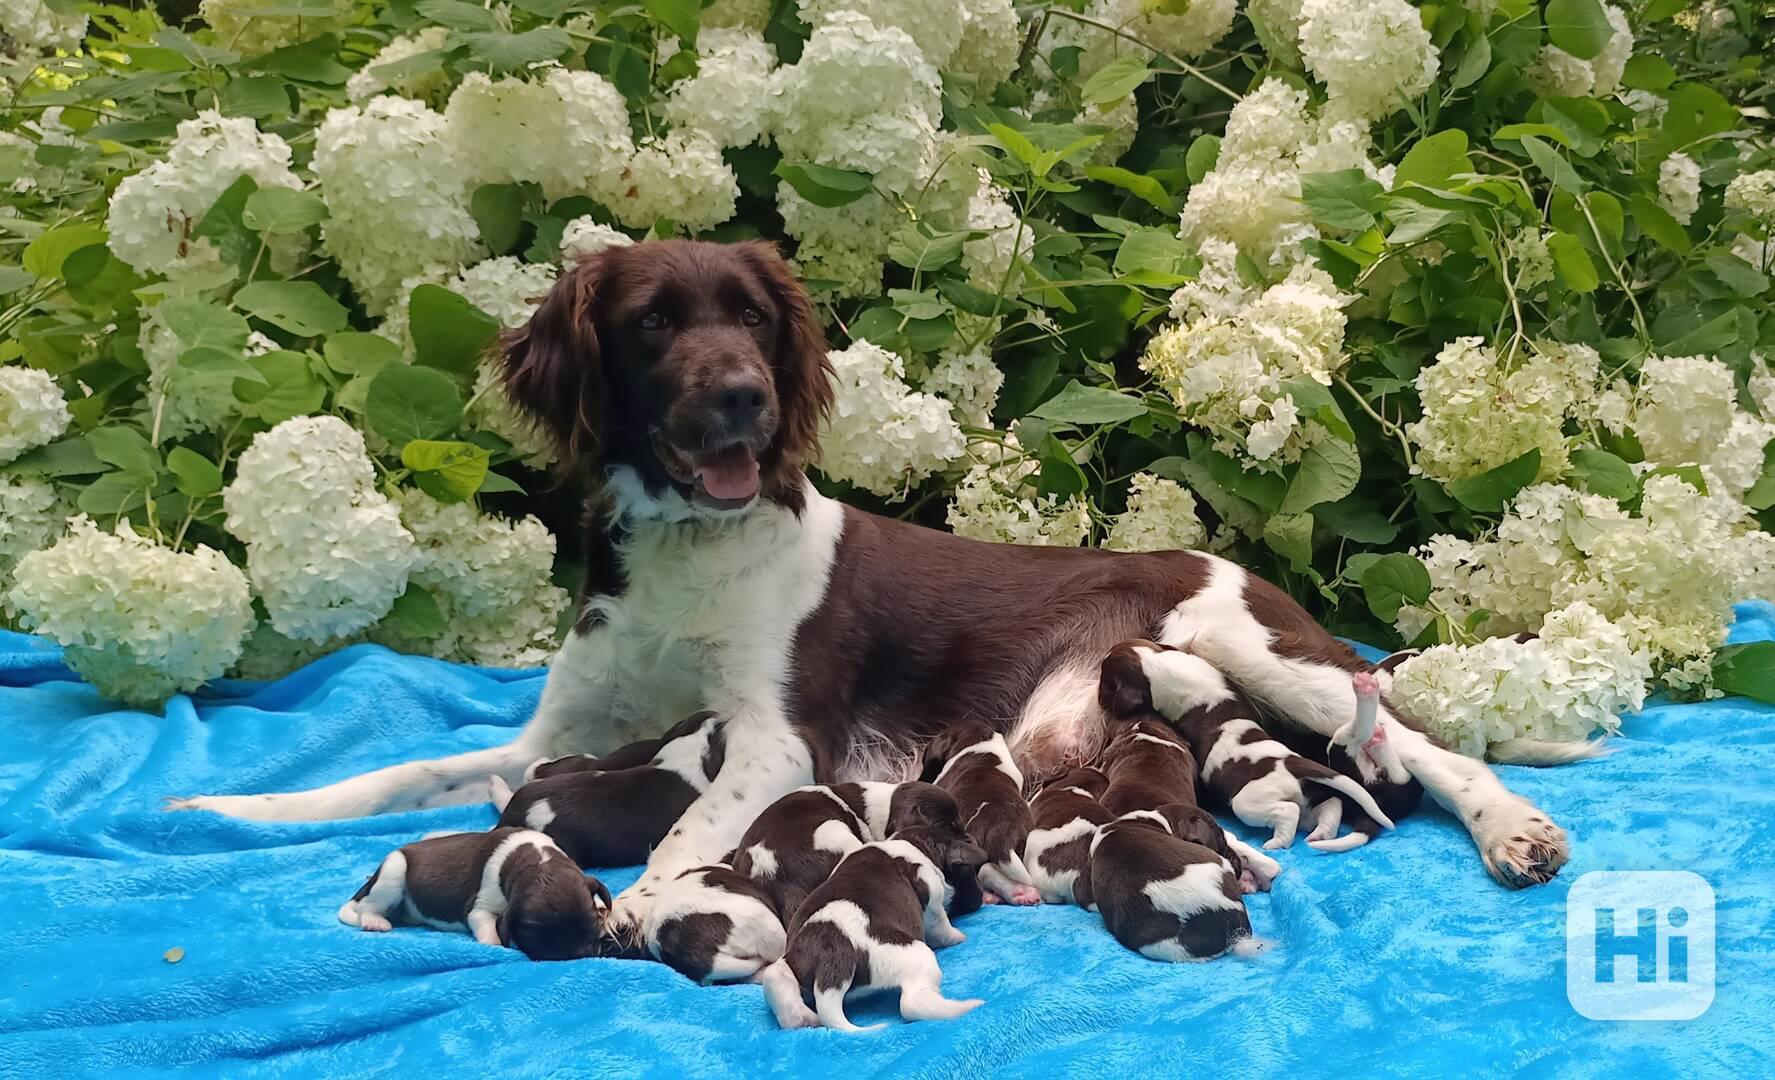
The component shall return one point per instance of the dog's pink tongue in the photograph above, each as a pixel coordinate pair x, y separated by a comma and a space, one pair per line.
732, 474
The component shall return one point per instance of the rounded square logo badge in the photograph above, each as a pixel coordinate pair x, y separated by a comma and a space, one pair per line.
1639, 945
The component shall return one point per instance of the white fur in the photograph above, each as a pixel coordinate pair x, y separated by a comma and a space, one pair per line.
500, 792
764, 861
540, 815
683, 756
997, 748
1061, 724
756, 940
1190, 893
836, 837
877, 801
1055, 886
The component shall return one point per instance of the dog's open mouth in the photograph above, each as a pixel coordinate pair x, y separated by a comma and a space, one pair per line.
724, 479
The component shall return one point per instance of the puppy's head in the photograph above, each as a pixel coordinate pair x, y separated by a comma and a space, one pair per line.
1122, 687
556, 917
1129, 739
700, 367
957, 856
951, 741
1196, 825
1088, 780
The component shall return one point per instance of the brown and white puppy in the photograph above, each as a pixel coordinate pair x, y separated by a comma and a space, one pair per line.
872, 926
1265, 784
715, 925
1165, 897
972, 762
507, 887
1058, 854
617, 818
623, 757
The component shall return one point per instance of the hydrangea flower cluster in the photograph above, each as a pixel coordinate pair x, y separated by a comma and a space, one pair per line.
385, 154
326, 551
32, 515
509, 291
1557, 73
1753, 193
970, 382
585, 236
36, 25
1679, 186
139, 621
882, 435
1572, 680
681, 177
1482, 409
986, 55
252, 28
568, 131
1684, 411
1161, 516
153, 214
728, 97
996, 501
1191, 32
33, 411
1373, 56
365, 83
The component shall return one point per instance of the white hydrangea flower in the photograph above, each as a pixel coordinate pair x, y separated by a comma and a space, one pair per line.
36, 25
1572, 680
991, 39
728, 97
844, 245
988, 258
567, 130
585, 236
970, 382
397, 196
1758, 252
850, 68
139, 621
326, 550
33, 411
1196, 30
154, 213
1679, 186
935, 26
1482, 409
365, 83
245, 27
1685, 411
1762, 386
1161, 516
1533, 258
1374, 56
32, 515
1122, 118
1753, 193
882, 435
491, 579
681, 176
1282, 18
996, 502
1557, 73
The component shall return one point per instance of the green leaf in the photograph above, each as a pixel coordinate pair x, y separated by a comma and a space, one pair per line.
194, 474
510, 52
1329, 470
223, 224
113, 495
1580, 27
301, 307
1602, 473
1434, 161
1648, 72
310, 61
1115, 80
1736, 274
1575, 267
282, 210
355, 353
1080, 404
1553, 164
1491, 490
286, 387
126, 448
1475, 62
1413, 222
45, 255
1202, 156
410, 67
203, 56
406, 403
449, 471
497, 482
1544, 131
678, 16
1747, 670
823, 186
1155, 257
255, 96
14, 278
1017, 143
912, 248
201, 324
975, 301
1140, 185
448, 331
1356, 520
416, 615
458, 15
499, 211
1291, 536
917, 305
72, 456
1342, 200
1657, 223
1391, 581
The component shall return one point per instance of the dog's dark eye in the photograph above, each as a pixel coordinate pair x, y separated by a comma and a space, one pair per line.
752, 317
652, 320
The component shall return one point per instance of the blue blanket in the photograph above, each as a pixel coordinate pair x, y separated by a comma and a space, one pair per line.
1401, 957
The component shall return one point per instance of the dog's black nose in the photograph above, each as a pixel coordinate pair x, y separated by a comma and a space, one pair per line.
739, 400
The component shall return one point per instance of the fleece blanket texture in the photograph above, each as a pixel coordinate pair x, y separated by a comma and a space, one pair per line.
1400, 958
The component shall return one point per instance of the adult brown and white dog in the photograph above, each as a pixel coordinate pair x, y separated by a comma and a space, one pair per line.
687, 381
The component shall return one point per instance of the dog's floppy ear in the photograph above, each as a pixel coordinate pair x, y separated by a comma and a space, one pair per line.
552, 365
936, 755
803, 374
600, 895
1122, 686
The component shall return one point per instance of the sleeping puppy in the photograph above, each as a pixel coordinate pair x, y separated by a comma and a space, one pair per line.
872, 926
617, 818
1265, 784
508, 887
1165, 897
972, 762
714, 925
627, 757
1067, 813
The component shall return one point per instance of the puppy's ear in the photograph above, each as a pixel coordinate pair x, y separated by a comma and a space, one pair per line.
552, 365
1122, 686
803, 374
963, 852
499, 928
936, 755
600, 895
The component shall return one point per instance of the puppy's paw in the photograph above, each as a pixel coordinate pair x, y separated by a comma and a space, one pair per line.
1247, 882
987, 896
1520, 845
256, 807
1025, 895
938, 939
1273, 844
373, 923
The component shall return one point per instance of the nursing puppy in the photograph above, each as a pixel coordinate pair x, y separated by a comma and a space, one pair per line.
1058, 854
872, 926
633, 755
1265, 784
715, 925
1164, 897
617, 818
972, 762
508, 887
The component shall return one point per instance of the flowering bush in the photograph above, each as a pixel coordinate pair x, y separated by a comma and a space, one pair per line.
1452, 319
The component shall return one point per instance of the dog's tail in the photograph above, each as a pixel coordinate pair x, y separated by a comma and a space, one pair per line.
829, 1007
499, 792
1357, 794
1349, 841
1543, 752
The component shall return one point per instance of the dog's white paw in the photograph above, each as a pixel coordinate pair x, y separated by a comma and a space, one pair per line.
374, 923
937, 939
1521, 845
256, 807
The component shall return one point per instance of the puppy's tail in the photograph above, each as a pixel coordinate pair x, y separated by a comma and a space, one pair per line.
1015, 869
1543, 752
1356, 793
499, 791
1347, 842
829, 1007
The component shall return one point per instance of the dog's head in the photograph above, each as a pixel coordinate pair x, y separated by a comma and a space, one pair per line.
928, 818
1128, 739
1196, 825
692, 374
556, 917
1089, 780
951, 741
1122, 686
